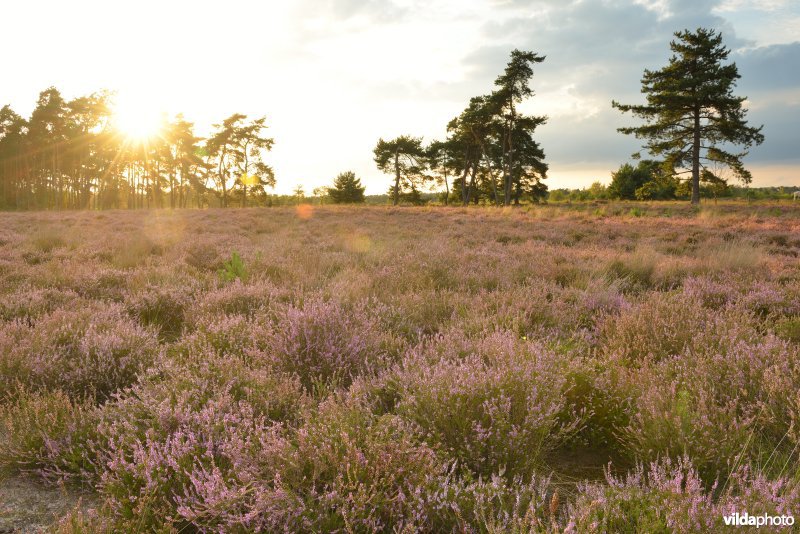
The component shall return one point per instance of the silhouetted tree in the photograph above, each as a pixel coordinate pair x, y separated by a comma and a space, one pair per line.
403, 156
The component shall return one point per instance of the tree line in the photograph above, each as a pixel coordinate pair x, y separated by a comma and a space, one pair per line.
692, 125
70, 155
489, 152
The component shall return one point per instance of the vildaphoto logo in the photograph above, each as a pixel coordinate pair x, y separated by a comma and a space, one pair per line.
746, 520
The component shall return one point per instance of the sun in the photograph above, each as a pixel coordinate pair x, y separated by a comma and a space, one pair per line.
137, 119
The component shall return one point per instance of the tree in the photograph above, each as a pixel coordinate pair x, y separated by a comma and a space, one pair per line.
347, 189
513, 88
627, 179
237, 150
405, 157
12, 138
691, 116
441, 157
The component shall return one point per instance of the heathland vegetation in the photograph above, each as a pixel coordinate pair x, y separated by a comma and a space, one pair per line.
611, 365
609, 368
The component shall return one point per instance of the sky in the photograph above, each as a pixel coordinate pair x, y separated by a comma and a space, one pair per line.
333, 76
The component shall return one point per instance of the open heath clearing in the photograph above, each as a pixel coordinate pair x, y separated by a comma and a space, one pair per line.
585, 368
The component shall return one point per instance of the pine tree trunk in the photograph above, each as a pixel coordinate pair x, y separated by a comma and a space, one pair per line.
696, 158
464, 198
446, 188
396, 178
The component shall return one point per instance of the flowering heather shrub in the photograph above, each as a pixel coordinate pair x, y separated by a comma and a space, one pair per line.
100, 284
718, 408
190, 455
29, 303
323, 342
160, 307
255, 298
500, 407
665, 326
357, 471
494, 505
709, 292
766, 299
669, 496
47, 433
233, 335
92, 351
186, 383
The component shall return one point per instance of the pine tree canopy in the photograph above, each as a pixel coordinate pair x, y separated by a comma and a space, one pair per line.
693, 121
347, 189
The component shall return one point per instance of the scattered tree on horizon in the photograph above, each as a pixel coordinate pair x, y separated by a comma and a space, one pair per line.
236, 151
513, 88
646, 181
404, 157
347, 189
691, 116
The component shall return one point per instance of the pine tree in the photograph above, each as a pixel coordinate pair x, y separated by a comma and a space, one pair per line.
692, 117
405, 157
347, 189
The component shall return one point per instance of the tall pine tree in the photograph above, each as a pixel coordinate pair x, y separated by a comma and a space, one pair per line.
692, 119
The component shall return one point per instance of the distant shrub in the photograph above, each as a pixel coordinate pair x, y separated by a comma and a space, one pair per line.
237, 298
635, 272
203, 256
92, 351
789, 328
132, 250
733, 255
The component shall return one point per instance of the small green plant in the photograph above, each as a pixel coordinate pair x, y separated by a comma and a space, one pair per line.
636, 212
233, 269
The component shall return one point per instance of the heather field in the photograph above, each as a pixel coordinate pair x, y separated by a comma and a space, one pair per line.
592, 367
